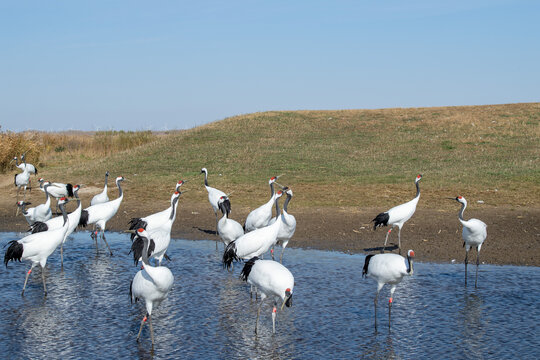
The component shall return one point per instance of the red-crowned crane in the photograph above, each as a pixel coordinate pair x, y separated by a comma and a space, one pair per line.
159, 236
58, 222
31, 168
57, 190
155, 220
22, 180
37, 247
387, 269
213, 196
152, 284
254, 243
398, 215
273, 280
260, 217
42, 212
102, 197
101, 213
474, 233
288, 225
228, 229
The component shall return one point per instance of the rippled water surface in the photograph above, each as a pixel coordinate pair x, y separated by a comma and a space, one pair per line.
208, 314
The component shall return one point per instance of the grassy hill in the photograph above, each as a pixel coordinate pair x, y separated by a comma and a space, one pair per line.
333, 158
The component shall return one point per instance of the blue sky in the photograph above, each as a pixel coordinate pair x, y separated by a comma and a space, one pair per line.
138, 65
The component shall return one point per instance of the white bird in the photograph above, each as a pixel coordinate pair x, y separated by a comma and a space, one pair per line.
155, 220
42, 212
159, 236
474, 233
398, 215
101, 213
288, 225
58, 222
102, 196
273, 280
387, 269
31, 168
57, 190
22, 180
260, 217
21, 207
37, 247
152, 284
228, 229
213, 195
254, 243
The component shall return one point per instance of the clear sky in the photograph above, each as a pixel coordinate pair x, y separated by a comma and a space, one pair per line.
138, 65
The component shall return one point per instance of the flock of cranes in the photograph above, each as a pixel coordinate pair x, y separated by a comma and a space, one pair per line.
249, 242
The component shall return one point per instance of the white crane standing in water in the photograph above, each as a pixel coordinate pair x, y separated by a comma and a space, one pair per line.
152, 284
474, 233
273, 280
398, 215
101, 213
387, 269
228, 229
38, 247
288, 225
42, 212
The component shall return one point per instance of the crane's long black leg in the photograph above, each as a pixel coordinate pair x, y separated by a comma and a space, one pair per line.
375, 302
274, 314
477, 263
43, 278
386, 240
151, 328
399, 240
26, 279
105, 240
258, 314
140, 328
466, 260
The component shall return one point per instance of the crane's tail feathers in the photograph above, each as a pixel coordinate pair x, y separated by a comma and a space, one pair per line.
14, 252
69, 188
36, 171
366, 265
381, 220
247, 268
135, 224
230, 255
83, 221
38, 226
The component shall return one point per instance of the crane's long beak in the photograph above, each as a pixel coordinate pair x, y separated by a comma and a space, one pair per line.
17, 212
130, 231
278, 184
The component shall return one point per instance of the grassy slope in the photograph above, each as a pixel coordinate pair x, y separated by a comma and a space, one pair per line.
346, 158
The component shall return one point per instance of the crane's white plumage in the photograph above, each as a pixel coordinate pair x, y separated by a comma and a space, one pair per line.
387, 269
159, 236
474, 233
213, 195
42, 212
22, 180
58, 222
152, 284
102, 197
228, 229
273, 280
101, 213
398, 215
38, 247
254, 243
260, 217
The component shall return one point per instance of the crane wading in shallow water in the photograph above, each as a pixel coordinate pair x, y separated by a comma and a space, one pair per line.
474, 233
273, 280
152, 284
398, 215
38, 247
387, 269
101, 213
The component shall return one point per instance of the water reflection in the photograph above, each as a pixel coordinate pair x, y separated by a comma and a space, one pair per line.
88, 314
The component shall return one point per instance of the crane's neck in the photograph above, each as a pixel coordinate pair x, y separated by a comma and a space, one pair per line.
106, 180
286, 203
417, 189
278, 212
206, 178
23, 209
120, 192
463, 206
76, 194
16, 161
174, 204
271, 189
144, 255
47, 199
64, 214
410, 269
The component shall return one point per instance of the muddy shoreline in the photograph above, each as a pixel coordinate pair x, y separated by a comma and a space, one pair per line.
435, 235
